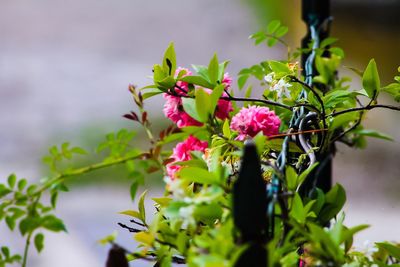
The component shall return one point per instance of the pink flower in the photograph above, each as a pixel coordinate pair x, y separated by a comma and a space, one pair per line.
227, 80
254, 119
181, 152
173, 108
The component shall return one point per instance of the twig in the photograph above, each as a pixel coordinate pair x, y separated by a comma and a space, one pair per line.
130, 229
295, 79
363, 108
232, 98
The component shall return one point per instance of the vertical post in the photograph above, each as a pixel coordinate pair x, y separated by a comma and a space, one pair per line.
316, 14
249, 209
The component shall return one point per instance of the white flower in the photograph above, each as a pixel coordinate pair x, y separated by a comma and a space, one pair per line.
175, 187
187, 214
270, 77
282, 88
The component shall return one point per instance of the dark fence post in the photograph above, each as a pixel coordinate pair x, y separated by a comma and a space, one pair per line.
316, 14
249, 209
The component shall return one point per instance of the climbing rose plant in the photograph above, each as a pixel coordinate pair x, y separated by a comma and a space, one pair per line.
193, 222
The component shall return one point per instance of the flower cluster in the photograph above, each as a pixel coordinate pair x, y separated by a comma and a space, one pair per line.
182, 153
173, 108
254, 119
281, 86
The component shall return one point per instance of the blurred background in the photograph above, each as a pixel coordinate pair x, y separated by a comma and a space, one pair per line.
64, 71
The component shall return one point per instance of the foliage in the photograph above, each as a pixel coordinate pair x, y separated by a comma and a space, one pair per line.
194, 217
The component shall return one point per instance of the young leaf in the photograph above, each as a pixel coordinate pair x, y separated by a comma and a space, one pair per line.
169, 60
203, 104
370, 80
141, 208
373, 133
189, 105
214, 97
197, 80
273, 26
11, 180
39, 242
197, 175
278, 67
213, 69
145, 238
132, 213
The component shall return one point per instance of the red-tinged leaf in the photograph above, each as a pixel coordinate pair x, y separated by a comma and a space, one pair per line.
131, 116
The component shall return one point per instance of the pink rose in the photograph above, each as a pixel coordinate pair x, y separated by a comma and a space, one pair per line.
181, 152
254, 119
173, 108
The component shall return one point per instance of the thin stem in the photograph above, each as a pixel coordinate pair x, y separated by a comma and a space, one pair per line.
26, 250
295, 79
363, 108
83, 170
232, 98
267, 102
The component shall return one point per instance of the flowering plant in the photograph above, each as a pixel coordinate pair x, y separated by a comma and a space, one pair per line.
195, 221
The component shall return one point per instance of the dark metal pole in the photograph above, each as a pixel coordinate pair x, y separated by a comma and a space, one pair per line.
316, 14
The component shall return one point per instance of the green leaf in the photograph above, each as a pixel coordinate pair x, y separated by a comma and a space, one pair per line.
271, 42
334, 202
10, 221
297, 211
167, 82
343, 120
52, 223
203, 104
189, 105
28, 224
78, 150
141, 208
279, 67
370, 80
213, 69
202, 71
162, 201
132, 213
242, 80
392, 250
145, 238
334, 98
281, 31
197, 80
260, 140
21, 184
291, 178
197, 175
328, 41
215, 96
4, 190
226, 130
5, 251
133, 189
11, 180
337, 51
273, 26
39, 242
169, 60
207, 213
373, 133
304, 175
158, 73
53, 199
